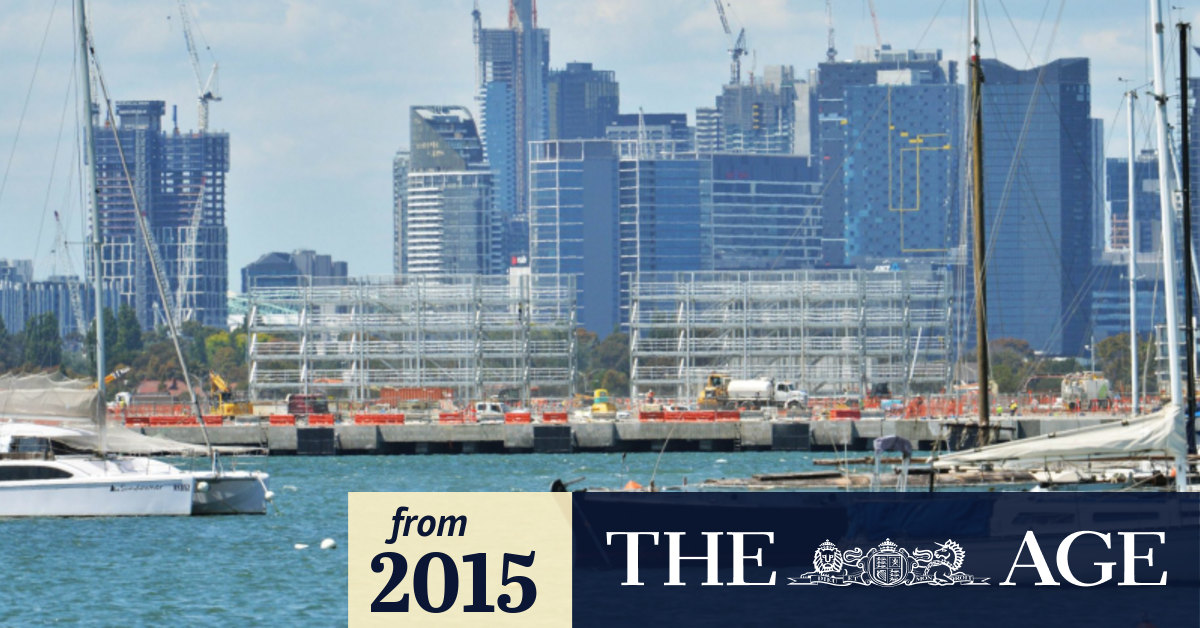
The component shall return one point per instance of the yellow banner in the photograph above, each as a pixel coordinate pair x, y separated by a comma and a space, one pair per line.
459, 559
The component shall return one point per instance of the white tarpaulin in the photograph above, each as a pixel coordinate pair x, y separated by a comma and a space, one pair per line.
69, 405
1162, 433
41, 396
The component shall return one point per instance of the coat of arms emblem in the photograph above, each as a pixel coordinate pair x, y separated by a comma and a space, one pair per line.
888, 565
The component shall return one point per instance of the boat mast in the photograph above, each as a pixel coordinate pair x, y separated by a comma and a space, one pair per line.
1185, 182
981, 341
1164, 204
89, 155
1131, 191
1167, 216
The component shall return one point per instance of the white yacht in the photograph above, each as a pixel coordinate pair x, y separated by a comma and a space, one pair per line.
55, 470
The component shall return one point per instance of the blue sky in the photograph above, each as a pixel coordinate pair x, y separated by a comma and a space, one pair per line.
316, 92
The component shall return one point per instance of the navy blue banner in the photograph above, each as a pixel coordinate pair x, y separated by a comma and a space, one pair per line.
875, 559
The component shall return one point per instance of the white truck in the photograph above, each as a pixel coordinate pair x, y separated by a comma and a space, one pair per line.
1087, 390
722, 391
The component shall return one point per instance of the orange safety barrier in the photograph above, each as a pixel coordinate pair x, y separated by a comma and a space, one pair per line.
281, 419
155, 409
728, 415
844, 414
700, 415
172, 421
554, 417
213, 420
517, 417
137, 421
650, 416
450, 417
379, 419
320, 419
672, 415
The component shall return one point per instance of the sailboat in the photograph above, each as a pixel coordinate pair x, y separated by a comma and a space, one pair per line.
1159, 434
52, 463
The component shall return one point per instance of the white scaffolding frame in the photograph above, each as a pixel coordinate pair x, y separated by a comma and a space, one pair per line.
478, 335
836, 332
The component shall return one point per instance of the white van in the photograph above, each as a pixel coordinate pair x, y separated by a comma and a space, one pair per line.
490, 411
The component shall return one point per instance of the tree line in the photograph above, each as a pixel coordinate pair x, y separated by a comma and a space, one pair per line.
149, 354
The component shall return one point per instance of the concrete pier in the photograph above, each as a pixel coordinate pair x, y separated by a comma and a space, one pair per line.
608, 436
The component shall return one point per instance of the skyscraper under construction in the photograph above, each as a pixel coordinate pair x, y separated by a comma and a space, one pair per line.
178, 183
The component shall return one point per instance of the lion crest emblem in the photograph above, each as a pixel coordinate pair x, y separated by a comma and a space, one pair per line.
888, 565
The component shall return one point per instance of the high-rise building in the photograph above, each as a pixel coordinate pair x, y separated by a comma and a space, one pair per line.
1147, 218
1038, 186
582, 102
300, 268
655, 128
450, 222
22, 298
870, 67
708, 130
662, 220
901, 184
513, 66
179, 181
16, 270
756, 117
764, 210
573, 223
399, 201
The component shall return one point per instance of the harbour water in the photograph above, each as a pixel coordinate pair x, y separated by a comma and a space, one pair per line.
246, 570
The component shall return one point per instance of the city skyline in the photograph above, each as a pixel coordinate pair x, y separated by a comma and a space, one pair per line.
317, 93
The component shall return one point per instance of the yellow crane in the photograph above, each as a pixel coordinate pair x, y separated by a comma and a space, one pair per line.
222, 398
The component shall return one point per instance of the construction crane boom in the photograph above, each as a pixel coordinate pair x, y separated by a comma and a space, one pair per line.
476, 31
206, 89
724, 20
831, 52
875, 23
739, 45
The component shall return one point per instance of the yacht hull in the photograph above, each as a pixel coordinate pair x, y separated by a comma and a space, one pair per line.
230, 493
98, 497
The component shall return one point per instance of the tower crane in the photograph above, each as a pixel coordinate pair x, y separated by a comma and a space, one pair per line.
831, 52
206, 89
476, 30
739, 46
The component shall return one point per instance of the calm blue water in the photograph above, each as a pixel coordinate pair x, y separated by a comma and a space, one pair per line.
245, 571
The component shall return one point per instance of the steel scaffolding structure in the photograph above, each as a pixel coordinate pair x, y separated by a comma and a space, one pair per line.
478, 335
833, 332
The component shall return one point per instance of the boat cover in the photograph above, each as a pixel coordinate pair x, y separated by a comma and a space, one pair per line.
1162, 432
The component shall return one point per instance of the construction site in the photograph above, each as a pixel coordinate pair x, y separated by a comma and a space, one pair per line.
477, 336
834, 333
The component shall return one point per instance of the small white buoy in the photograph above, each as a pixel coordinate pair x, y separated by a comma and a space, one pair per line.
201, 486
301, 546
721, 461
328, 544
269, 495
289, 487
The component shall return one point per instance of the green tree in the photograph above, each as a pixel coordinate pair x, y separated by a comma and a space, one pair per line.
43, 345
1112, 358
110, 340
128, 336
